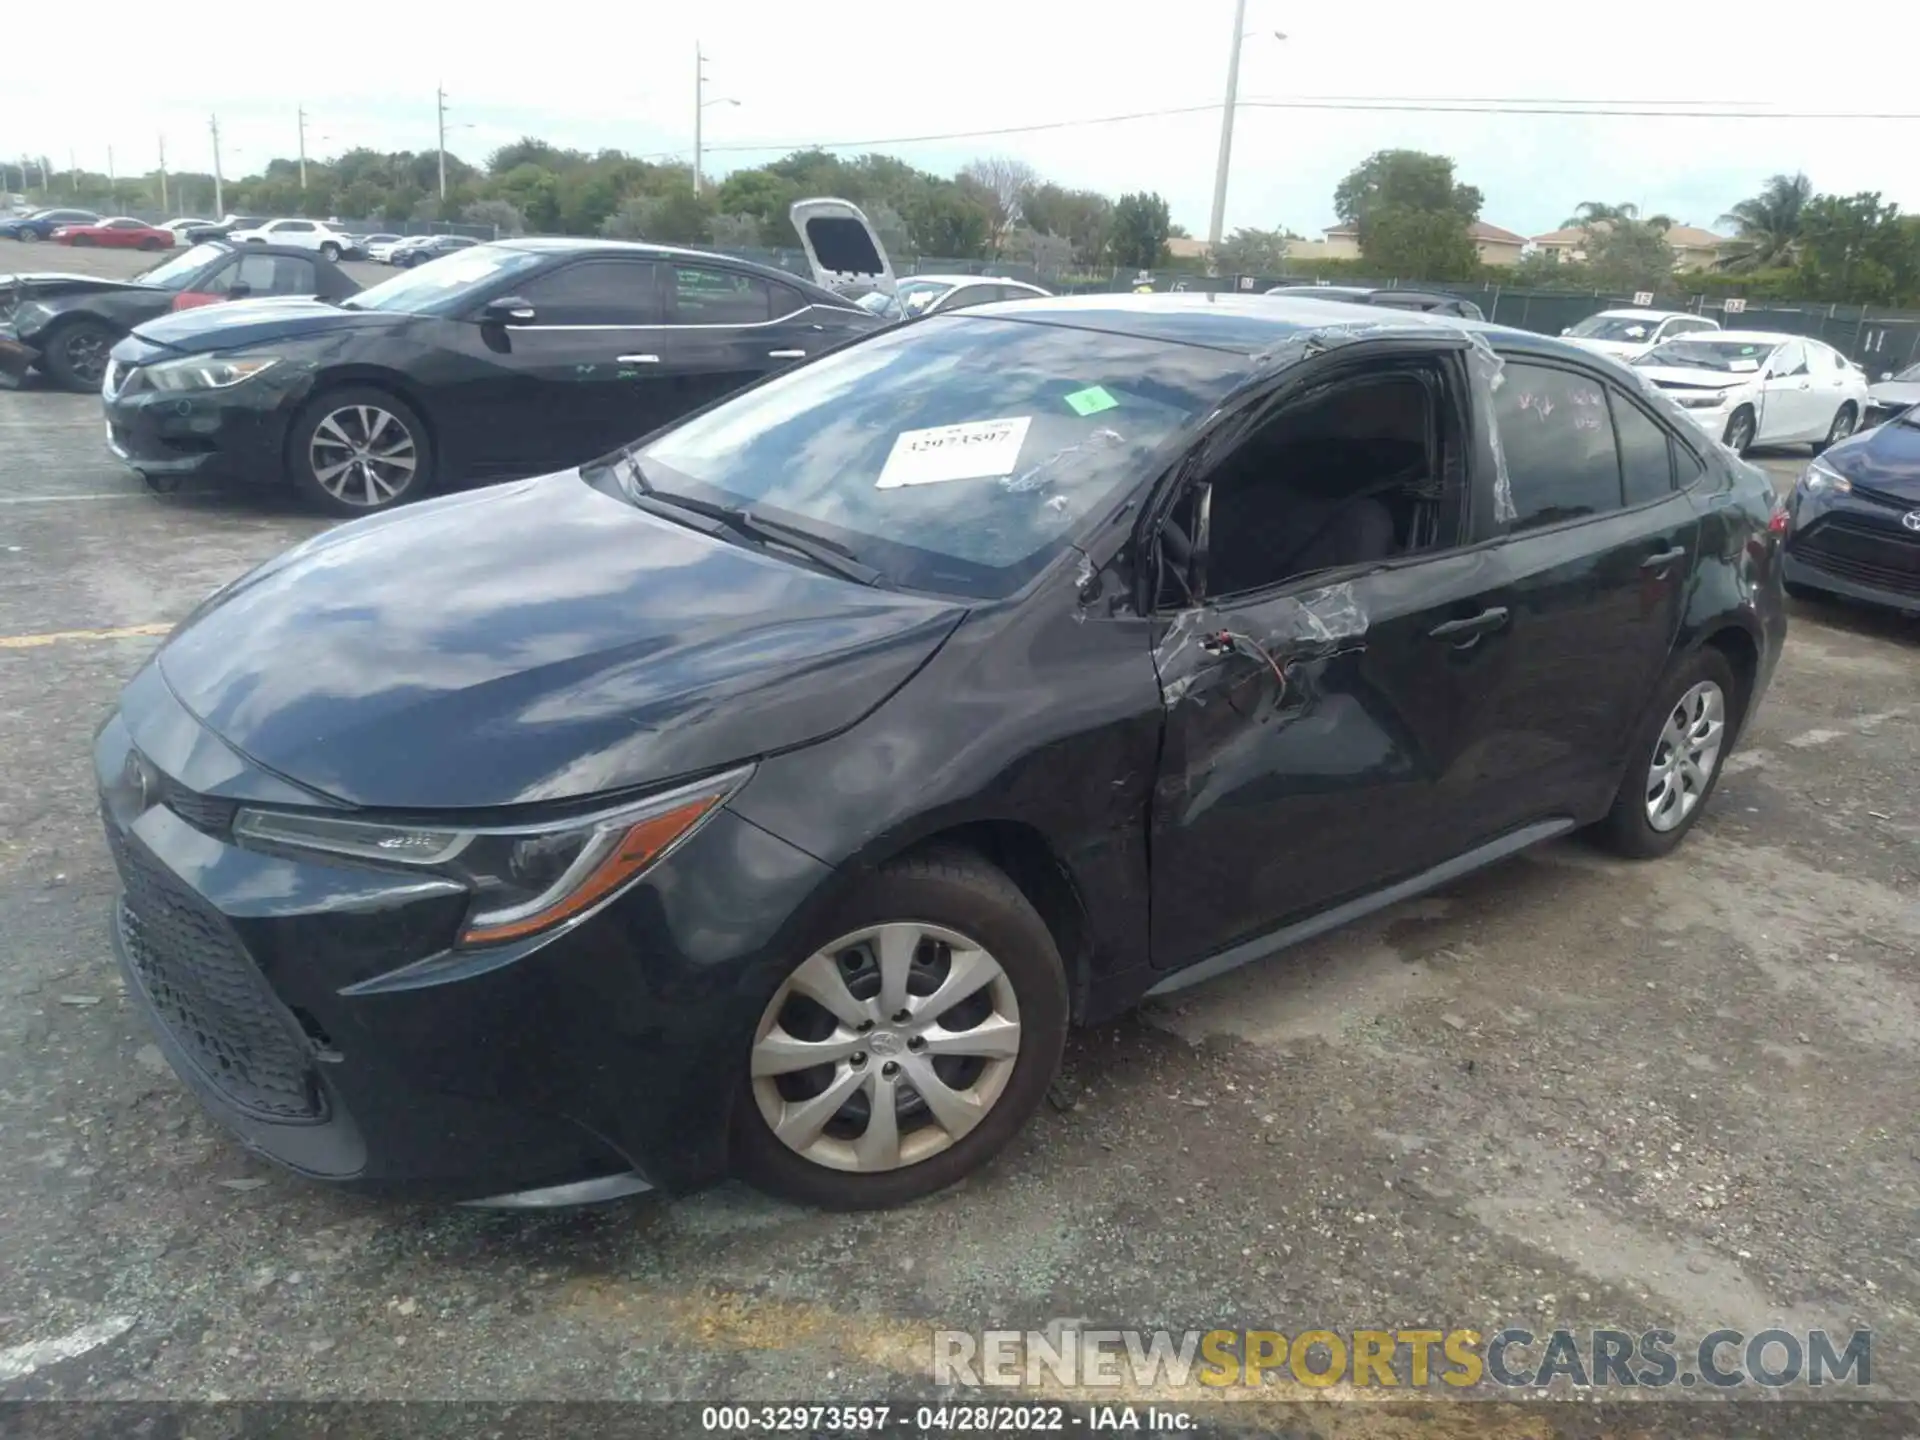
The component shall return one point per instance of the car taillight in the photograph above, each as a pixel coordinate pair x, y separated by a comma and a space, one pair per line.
192, 300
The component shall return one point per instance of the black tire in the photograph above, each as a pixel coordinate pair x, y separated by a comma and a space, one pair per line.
1627, 829
1741, 427
960, 892
29, 237
75, 355
1803, 593
306, 476
81, 242
153, 245
330, 252
1844, 421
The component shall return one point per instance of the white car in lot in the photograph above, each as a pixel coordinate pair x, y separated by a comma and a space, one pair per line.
1753, 387
1897, 393
918, 295
314, 235
381, 248
1625, 334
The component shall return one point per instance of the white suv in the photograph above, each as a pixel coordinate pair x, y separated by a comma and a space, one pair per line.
305, 234
1624, 334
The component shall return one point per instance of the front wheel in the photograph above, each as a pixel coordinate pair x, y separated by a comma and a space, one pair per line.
153, 245
76, 354
1740, 431
1675, 760
356, 450
330, 252
906, 1050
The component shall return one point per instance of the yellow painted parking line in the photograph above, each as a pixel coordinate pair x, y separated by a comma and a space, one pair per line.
62, 637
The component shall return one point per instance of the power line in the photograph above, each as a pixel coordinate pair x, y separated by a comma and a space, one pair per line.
1653, 109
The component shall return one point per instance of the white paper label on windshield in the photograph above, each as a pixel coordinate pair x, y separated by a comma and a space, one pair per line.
1743, 365
977, 450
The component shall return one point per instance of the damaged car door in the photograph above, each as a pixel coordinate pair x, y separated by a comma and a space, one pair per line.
1324, 685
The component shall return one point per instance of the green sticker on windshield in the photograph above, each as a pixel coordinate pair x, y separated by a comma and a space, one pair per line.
1091, 401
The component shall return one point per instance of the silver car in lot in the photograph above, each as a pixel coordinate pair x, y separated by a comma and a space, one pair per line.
1896, 392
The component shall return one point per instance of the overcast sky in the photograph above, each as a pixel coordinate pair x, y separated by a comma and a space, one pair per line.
591, 76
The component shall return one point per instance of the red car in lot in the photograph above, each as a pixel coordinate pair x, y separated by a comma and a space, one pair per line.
122, 231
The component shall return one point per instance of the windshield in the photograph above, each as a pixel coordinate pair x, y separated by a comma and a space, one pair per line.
1615, 327
443, 286
1740, 357
173, 274
1910, 375
878, 302
915, 296
957, 455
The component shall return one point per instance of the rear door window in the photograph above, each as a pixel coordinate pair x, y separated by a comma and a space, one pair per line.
1558, 438
704, 295
1646, 459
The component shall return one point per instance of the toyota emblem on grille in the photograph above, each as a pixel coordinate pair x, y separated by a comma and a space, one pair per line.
1911, 520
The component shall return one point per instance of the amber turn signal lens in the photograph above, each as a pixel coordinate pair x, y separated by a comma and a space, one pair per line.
638, 848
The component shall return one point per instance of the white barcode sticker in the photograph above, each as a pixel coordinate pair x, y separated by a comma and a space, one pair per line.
976, 450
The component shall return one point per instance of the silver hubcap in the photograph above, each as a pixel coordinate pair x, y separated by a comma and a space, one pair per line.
1742, 434
1685, 754
1842, 425
363, 455
885, 1047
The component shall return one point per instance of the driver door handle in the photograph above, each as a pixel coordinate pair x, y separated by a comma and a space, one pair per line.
1664, 558
636, 359
1472, 627
786, 354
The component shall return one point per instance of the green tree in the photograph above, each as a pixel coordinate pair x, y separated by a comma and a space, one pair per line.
502, 215
1140, 230
766, 197
678, 217
1403, 243
945, 221
1412, 215
1767, 227
1856, 249
1252, 252
1625, 253
1084, 218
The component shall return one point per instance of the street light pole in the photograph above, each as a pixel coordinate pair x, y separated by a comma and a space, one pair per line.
440, 99
301, 115
699, 108
1226, 126
219, 193
163, 174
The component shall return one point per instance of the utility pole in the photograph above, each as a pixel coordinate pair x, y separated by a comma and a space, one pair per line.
440, 99
302, 113
699, 108
163, 174
1226, 126
73, 172
113, 183
219, 193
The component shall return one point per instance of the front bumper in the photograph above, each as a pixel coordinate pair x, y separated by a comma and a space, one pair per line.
320, 1013
234, 434
1854, 547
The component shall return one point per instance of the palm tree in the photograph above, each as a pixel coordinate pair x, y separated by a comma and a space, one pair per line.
1591, 212
1767, 228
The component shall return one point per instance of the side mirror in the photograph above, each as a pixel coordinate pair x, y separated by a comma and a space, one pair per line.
508, 310
1567, 330
1886, 374
239, 290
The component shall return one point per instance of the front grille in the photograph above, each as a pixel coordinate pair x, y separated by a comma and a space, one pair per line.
209, 995
1849, 549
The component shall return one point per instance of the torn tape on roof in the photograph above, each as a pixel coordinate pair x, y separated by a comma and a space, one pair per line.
1305, 344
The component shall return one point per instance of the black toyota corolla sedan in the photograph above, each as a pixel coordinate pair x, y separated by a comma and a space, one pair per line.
493, 362
769, 796
1854, 519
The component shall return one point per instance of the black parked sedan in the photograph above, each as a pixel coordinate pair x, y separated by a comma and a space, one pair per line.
499, 361
1427, 302
65, 325
430, 247
40, 224
771, 795
1855, 519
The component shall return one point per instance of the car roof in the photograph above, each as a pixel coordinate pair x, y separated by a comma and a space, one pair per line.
1243, 323
1631, 314
643, 249
968, 280
1754, 337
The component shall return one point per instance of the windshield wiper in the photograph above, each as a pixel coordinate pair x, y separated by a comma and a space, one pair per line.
829, 554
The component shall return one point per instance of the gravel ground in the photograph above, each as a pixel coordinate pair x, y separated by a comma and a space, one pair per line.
1568, 1090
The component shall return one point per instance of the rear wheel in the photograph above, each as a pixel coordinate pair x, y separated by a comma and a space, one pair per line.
1740, 430
1842, 427
904, 1052
356, 450
80, 242
330, 251
75, 355
153, 242
1676, 757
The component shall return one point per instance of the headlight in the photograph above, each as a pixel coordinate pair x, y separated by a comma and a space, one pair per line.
206, 372
526, 879
1700, 402
1820, 478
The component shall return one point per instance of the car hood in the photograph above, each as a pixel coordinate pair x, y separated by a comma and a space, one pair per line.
1609, 347
531, 642
1680, 377
249, 322
1885, 459
46, 286
1896, 392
